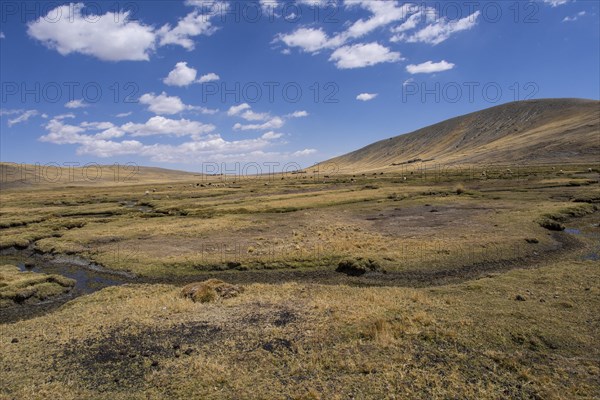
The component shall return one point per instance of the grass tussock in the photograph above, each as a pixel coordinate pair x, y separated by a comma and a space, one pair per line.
210, 290
18, 287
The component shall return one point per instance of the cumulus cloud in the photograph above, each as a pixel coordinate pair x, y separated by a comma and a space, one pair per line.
79, 103
366, 96
164, 126
164, 104
114, 36
210, 77
236, 110
204, 145
363, 55
60, 132
181, 75
429, 67
415, 24
23, 117
109, 37
271, 135
250, 115
193, 24
310, 40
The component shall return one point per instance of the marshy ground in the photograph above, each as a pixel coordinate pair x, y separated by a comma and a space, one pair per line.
366, 286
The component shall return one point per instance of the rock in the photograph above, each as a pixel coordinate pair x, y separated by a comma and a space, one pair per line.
532, 240
14, 340
520, 298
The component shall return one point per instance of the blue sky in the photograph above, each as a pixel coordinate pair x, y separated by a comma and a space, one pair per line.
182, 84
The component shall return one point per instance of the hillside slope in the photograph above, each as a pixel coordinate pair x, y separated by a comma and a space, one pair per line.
14, 175
524, 132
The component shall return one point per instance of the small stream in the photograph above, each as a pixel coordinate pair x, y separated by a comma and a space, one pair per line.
589, 231
89, 278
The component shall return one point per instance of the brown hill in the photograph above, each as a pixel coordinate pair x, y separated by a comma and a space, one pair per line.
547, 131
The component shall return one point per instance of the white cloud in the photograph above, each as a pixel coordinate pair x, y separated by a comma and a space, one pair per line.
363, 55
164, 104
406, 82
437, 32
304, 152
273, 123
61, 133
113, 36
209, 77
76, 104
97, 125
181, 75
63, 116
250, 115
268, 6
271, 135
366, 96
235, 110
384, 13
4, 111
164, 126
23, 117
298, 114
193, 24
429, 67
109, 37
202, 146
123, 115
310, 40
556, 3
574, 17
2, 35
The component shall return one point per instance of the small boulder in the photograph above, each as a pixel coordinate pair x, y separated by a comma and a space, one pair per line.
520, 298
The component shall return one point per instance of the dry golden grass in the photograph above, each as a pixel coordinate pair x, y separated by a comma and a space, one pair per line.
301, 340
306, 339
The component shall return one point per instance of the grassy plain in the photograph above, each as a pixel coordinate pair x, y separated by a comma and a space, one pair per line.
470, 294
